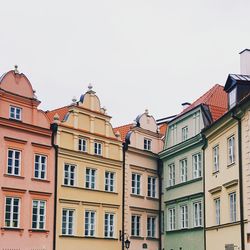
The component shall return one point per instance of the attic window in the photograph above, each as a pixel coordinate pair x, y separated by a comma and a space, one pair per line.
15, 113
147, 144
232, 98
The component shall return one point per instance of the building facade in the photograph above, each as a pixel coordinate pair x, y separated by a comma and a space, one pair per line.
89, 179
142, 192
183, 171
27, 170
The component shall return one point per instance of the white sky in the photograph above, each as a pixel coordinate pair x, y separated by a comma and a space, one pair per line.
137, 54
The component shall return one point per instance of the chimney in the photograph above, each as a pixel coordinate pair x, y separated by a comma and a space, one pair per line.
185, 105
245, 62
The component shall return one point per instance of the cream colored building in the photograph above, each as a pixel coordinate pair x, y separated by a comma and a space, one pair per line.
89, 184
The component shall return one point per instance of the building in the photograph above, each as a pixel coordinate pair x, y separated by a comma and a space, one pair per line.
27, 170
142, 184
182, 158
89, 179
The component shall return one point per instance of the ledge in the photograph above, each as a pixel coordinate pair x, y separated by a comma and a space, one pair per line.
152, 198
215, 190
6, 138
16, 190
152, 238
230, 224
34, 192
230, 183
185, 230
136, 237
14, 176
12, 229
89, 189
137, 196
40, 180
38, 231
41, 145
184, 183
87, 237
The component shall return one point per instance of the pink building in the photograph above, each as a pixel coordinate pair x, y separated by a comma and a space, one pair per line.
142, 189
26, 168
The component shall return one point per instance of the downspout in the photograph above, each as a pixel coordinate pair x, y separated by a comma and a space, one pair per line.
54, 127
159, 172
242, 227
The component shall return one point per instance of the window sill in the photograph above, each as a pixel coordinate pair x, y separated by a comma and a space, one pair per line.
184, 183
38, 231
152, 238
230, 164
152, 198
216, 172
40, 180
90, 189
136, 237
87, 237
12, 229
14, 176
137, 196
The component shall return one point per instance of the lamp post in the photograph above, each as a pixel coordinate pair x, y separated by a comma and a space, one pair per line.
126, 243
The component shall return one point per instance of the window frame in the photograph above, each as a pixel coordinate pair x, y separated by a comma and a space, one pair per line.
82, 147
147, 144
109, 228
151, 226
67, 222
216, 158
90, 230
231, 150
217, 211
108, 185
15, 113
68, 178
198, 215
184, 133
171, 219
90, 176
152, 191
98, 148
136, 230
40, 167
136, 189
183, 174
12, 166
39, 215
197, 165
184, 216
233, 207
12, 212
171, 174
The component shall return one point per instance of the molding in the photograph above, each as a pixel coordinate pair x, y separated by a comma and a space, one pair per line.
144, 209
39, 193
87, 237
184, 183
230, 224
6, 138
185, 198
13, 176
215, 190
184, 230
15, 190
230, 183
41, 145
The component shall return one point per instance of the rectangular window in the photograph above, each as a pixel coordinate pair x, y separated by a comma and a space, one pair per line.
135, 225
217, 211
171, 174
183, 170
197, 214
12, 212
232, 98
232, 200
171, 219
15, 113
68, 221
109, 181
184, 133
38, 214
109, 225
152, 186
82, 145
98, 148
216, 158
147, 144
89, 223
90, 178
40, 166
231, 150
184, 216
14, 162
136, 183
196, 165
151, 227
69, 175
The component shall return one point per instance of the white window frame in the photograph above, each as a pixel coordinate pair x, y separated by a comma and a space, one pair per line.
232, 98
197, 210
82, 145
231, 149
183, 216
196, 162
217, 210
171, 174
171, 219
135, 225
90, 178
183, 170
13, 160
147, 144
184, 133
41, 167
13, 113
109, 225
151, 226
41, 217
233, 207
97, 148
69, 225
152, 180
216, 166
12, 220
67, 178
109, 181
136, 183
90, 223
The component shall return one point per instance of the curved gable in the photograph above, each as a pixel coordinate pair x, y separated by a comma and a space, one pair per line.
90, 101
147, 122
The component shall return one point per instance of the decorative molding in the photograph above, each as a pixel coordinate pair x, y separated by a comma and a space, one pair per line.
15, 190
41, 145
230, 183
6, 138
215, 190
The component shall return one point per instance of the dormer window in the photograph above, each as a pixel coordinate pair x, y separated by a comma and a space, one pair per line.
15, 113
184, 133
147, 144
232, 98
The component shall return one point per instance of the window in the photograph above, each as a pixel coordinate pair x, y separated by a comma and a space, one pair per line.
217, 211
171, 174
162, 222
40, 166
109, 225
231, 150
152, 186
171, 219
184, 133
216, 158
151, 227
14, 162
147, 144
89, 223
197, 214
109, 181
174, 134
68, 222
69, 175
82, 145
12, 212
232, 98
98, 148
135, 225
183, 166
184, 216
38, 214
136, 183
90, 178
15, 113
232, 200
196, 165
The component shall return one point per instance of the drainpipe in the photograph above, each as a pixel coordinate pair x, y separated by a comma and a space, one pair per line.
54, 127
159, 171
242, 228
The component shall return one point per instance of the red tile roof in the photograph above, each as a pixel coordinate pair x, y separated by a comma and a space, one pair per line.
215, 99
123, 130
60, 111
163, 128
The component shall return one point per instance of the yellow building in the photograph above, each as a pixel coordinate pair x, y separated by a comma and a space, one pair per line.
89, 178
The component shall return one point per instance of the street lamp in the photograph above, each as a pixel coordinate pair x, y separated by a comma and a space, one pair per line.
126, 242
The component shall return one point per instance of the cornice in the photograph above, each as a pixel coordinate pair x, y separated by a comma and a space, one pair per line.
142, 152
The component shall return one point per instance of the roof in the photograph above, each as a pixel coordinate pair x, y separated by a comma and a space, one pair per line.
60, 111
123, 130
215, 99
163, 128
233, 79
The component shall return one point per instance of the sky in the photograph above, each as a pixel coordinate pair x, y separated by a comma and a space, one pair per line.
137, 54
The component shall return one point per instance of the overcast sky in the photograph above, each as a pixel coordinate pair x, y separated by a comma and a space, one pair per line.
137, 54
